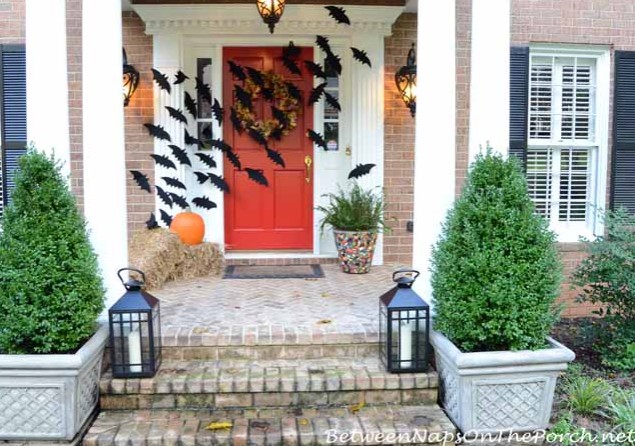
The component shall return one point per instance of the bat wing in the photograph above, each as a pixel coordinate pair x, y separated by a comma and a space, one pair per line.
141, 180
179, 200
316, 138
176, 114
204, 202
294, 91
323, 43
218, 112
161, 80
233, 159
174, 182
233, 117
166, 218
191, 141
360, 56
332, 101
190, 105
180, 155
291, 66
243, 97
315, 69
206, 159
333, 62
201, 177
257, 136
257, 176
219, 182
163, 161
279, 115
256, 76
290, 51
204, 93
220, 145
339, 14
275, 156
158, 132
360, 170
180, 77
151, 223
316, 93
236, 70
163, 196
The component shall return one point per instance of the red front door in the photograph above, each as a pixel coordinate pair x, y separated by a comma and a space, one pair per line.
279, 216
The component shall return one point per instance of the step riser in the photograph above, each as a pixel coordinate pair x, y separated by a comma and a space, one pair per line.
268, 399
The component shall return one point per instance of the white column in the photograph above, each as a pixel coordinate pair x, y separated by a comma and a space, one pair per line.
104, 151
367, 119
435, 130
47, 78
489, 83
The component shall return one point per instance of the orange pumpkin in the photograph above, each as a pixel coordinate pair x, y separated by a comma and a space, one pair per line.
189, 226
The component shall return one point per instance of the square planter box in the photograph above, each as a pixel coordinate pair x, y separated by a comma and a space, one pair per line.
50, 397
487, 392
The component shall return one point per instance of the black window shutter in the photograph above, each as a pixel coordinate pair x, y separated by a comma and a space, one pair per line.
623, 163
12, 114
518, 102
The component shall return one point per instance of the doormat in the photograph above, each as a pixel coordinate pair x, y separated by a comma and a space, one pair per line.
313, 271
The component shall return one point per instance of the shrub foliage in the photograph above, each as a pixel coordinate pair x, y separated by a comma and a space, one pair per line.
495, 270
50, 288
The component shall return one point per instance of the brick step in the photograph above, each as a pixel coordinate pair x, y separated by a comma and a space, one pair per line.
273, 261
273, 427
272, 383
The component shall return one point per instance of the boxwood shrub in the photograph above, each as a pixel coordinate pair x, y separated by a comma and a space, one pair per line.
495, 269
51, 292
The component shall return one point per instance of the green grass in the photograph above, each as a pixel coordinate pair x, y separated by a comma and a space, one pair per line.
585, 396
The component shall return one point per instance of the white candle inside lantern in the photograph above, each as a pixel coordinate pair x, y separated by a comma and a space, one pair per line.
134, 351
405, 340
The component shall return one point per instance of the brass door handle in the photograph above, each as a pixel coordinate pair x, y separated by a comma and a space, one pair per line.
308, 162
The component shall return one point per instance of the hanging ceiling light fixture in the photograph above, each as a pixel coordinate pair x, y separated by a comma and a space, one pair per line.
270, 11
406, 80
130, 79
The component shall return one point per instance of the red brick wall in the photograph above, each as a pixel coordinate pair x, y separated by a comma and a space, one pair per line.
12, 21
463, 54
74, 49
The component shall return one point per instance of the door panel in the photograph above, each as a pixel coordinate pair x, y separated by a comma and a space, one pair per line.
279, 216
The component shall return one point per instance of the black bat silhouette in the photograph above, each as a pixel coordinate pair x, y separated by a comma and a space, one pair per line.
204, 202
332, 101
236, 70
176, 114
257, 176
257, 136
233, 159
161, 80
220, 145
360, 56
151, 223
219, 182
201, 177
163, 161
279, 115
163, 196
275, 156
277, 133
243, 97
180, 77
206, 159
267, 93
174, 182
316, 93
180, 155
206, 131
141, 180
166, 218
315, 69
191, 141
190, 105
323, 43
294, 91
333, 62
360, 170
203, 91
290, 51
339, 14
179, 200
256, 76
236, 122
218, 112
316, 138
291, 66
158, 132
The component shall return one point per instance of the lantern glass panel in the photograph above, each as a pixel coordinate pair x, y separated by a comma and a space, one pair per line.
383, 331
135, 343
156, 335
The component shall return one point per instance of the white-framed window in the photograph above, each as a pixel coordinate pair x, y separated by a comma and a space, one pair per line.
567, 147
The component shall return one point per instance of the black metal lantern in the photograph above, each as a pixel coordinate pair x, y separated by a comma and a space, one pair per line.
404, 326
406, 80
135, 331
270, 11
130, 80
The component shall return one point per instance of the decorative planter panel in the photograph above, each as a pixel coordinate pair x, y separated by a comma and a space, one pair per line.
486, 392
50, 397
355, 250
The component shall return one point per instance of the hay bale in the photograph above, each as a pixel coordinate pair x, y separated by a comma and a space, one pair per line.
163, 257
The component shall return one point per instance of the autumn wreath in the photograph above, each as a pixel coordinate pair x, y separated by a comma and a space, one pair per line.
286, 107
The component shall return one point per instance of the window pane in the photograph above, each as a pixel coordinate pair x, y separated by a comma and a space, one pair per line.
204, 72
539, 179
540, 102
574, 172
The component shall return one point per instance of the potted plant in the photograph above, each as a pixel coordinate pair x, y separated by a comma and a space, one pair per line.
356, 216
51, 294
495, 278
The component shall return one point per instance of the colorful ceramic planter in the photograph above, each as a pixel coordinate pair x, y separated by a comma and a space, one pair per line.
355, 250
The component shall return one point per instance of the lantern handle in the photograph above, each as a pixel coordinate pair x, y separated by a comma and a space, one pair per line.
143, 275
404, 279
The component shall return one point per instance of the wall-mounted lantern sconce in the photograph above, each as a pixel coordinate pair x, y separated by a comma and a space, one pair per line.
270, 11
406, 80
130, 80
